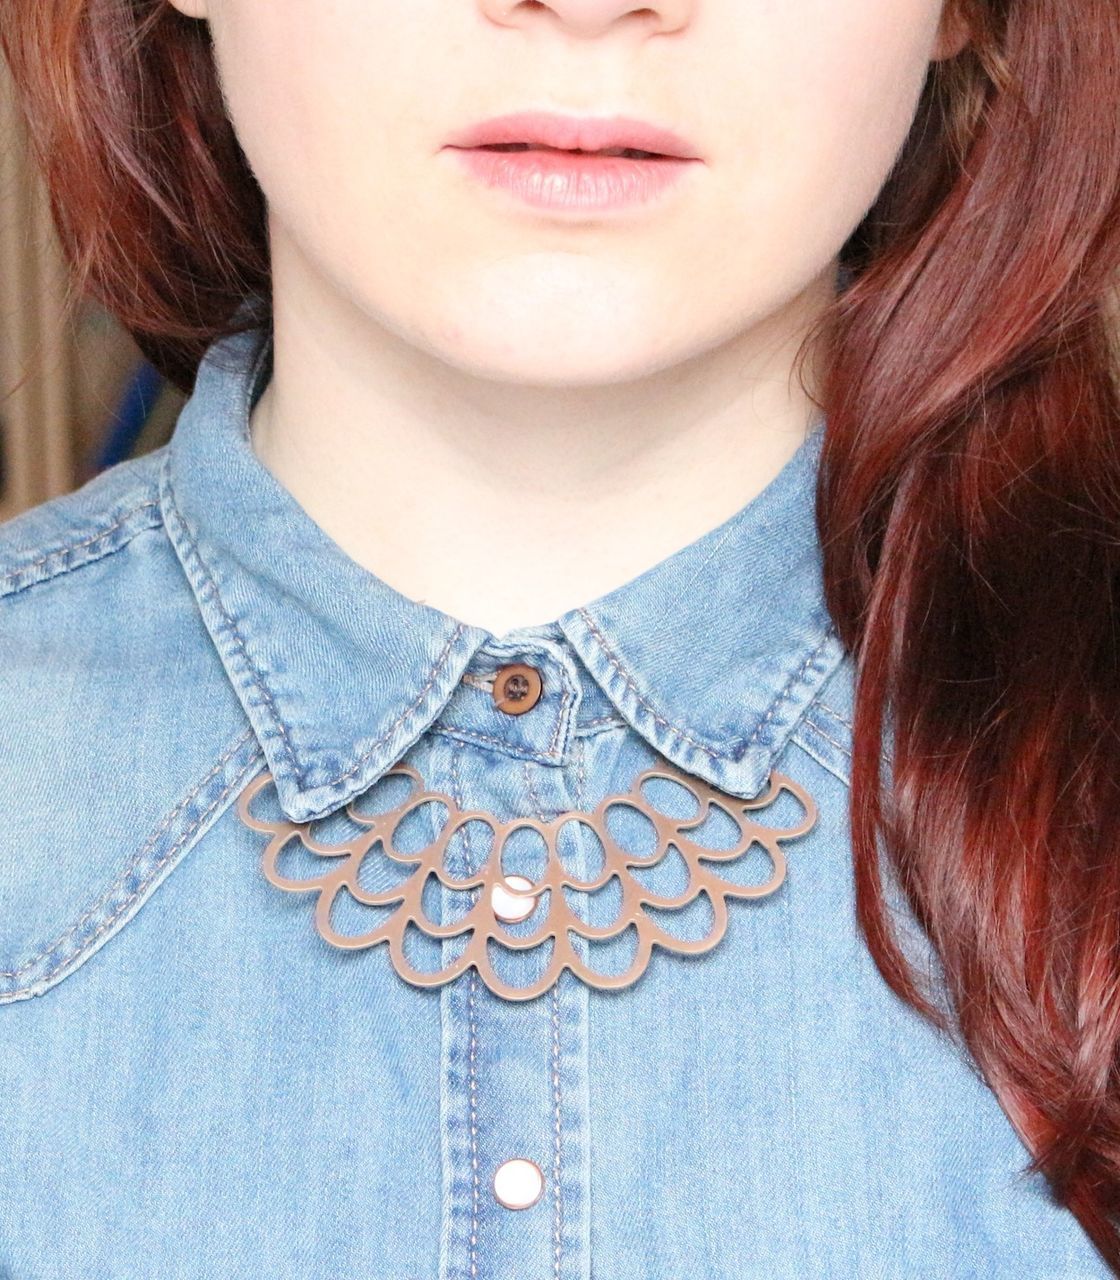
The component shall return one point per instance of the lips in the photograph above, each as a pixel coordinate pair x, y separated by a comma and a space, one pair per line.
606, 136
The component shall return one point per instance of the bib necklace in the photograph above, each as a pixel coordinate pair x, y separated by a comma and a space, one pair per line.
512, 898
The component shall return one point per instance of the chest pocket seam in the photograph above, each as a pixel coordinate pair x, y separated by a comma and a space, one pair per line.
160, 852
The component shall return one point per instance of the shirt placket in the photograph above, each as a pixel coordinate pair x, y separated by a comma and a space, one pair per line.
514, 1089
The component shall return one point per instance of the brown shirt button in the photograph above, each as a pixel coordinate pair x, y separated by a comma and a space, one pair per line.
517, 688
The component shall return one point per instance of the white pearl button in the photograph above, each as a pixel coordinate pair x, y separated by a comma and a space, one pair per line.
518, 1183
509, 907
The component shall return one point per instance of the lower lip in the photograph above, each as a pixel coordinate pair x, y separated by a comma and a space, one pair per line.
564, 180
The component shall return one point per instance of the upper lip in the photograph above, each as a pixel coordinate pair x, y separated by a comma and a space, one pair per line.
583, 133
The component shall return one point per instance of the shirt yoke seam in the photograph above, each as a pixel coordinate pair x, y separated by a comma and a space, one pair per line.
131, 866
835, 714
840, 746
10, 581
811, 723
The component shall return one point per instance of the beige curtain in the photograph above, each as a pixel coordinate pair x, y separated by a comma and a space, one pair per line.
58, 383
36, 414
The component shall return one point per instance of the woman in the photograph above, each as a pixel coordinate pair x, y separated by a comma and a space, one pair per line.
755, 914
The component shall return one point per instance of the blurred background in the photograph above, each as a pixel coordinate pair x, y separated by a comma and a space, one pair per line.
74, 398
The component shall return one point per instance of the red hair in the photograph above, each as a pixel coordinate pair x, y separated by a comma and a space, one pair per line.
969, 511
968, 503
158, 212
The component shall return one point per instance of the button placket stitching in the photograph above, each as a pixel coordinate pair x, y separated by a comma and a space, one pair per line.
554, 1013
472, 1028
472, 1033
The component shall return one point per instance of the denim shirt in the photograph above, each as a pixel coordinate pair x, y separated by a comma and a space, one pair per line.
199, 1082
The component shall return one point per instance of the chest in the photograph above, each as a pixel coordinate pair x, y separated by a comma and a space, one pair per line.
221, 1091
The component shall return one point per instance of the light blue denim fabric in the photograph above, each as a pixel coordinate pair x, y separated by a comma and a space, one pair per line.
197, 1084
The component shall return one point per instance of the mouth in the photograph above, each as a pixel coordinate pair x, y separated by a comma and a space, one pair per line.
614, 137
586, 166
627, 153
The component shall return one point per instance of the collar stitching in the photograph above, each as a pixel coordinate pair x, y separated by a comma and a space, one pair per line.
248, 387
210, 588
257, 676
660, 719
432, 675
561, 718
784, 693
460, 733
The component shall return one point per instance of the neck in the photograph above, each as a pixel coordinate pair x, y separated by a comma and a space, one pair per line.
505, 504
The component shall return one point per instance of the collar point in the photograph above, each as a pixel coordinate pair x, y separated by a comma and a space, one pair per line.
743, 778
311, 800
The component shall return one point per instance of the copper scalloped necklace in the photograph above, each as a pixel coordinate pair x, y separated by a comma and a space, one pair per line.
510, 897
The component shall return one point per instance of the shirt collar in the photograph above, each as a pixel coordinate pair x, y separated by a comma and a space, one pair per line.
711, 655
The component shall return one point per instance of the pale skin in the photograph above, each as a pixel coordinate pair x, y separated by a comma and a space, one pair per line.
502, 413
